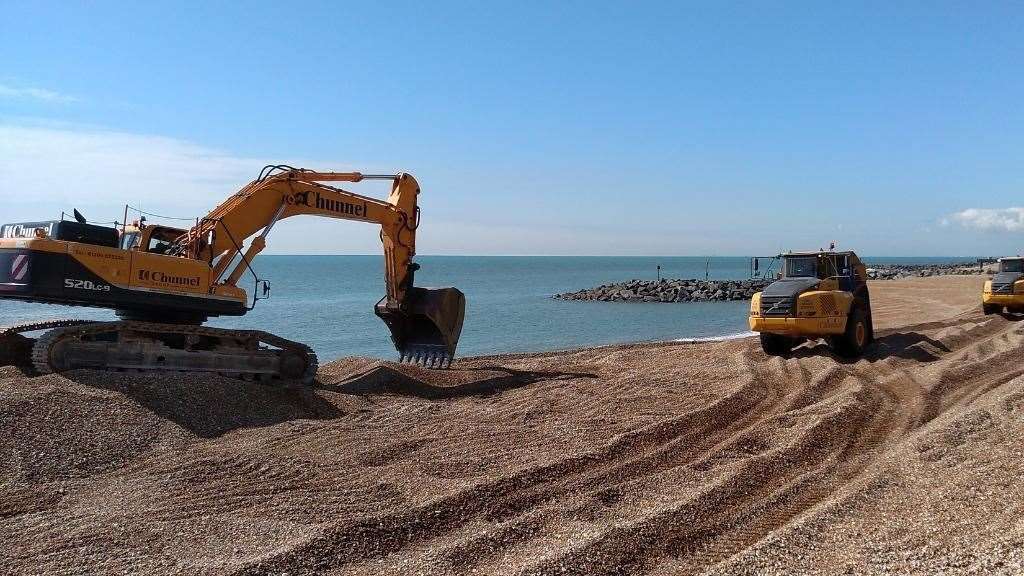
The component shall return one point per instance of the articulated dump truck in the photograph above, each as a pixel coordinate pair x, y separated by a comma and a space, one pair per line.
1005, 291
821, 294
164, 283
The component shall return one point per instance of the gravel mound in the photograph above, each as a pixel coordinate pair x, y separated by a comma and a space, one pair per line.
673, 458
85, 422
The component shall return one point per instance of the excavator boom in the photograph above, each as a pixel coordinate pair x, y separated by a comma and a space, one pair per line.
425, 324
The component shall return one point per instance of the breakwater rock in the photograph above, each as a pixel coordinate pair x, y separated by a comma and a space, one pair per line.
676, 290
670, 290
897, 271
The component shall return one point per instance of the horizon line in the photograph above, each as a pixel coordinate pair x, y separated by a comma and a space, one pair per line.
630, 255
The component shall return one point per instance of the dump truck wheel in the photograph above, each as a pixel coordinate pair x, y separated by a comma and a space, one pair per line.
776, 345
989, 309
852, 342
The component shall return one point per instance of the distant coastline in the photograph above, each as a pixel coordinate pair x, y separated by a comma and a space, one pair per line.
676, 290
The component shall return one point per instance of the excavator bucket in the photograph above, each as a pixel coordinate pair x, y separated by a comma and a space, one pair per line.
427, 331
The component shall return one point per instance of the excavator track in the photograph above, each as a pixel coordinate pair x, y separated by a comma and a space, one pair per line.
16, 349
154, 347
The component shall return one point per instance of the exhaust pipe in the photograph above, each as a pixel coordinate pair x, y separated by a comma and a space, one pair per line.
426, 328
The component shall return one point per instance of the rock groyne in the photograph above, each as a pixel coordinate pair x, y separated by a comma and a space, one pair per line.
669, 290
897, 271
692, 290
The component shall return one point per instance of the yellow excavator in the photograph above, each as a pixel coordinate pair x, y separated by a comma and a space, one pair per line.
164, 283
821, 294
1005, 291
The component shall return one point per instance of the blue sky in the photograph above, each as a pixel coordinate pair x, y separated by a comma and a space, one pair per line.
574, 128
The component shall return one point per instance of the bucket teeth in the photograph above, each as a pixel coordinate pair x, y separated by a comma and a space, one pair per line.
428, 357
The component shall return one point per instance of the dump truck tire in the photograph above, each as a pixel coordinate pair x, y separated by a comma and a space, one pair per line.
990, 309
776, 345
857, 336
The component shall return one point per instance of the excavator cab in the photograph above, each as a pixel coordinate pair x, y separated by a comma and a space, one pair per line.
426, 328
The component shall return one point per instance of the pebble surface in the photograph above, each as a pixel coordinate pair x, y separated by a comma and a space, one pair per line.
673, 458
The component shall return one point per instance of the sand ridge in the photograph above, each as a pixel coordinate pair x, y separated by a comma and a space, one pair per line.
659, 458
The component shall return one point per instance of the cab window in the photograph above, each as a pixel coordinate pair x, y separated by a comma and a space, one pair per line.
129, 240
845, 269
802, 267
1011, 266
160, 240
836, 266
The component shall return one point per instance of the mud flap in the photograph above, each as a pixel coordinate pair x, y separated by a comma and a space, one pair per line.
426, 330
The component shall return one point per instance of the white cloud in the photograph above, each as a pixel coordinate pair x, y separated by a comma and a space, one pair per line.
989, 219
96, 166
48, 169
29, 93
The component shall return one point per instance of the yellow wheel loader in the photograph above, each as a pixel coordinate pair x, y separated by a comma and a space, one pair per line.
165, 282
1005, 291
816, 295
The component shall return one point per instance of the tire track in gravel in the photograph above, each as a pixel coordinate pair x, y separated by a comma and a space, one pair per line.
893, 413
756, 511
670, 444
659, 445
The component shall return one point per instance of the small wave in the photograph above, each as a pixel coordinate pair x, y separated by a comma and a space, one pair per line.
736, 336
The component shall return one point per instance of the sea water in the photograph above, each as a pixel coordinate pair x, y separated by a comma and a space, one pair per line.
327, 302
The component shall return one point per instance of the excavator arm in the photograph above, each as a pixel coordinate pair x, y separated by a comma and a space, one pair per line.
425, 324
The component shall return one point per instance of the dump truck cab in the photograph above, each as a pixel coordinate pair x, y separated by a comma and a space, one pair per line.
1005, 291
822, 294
